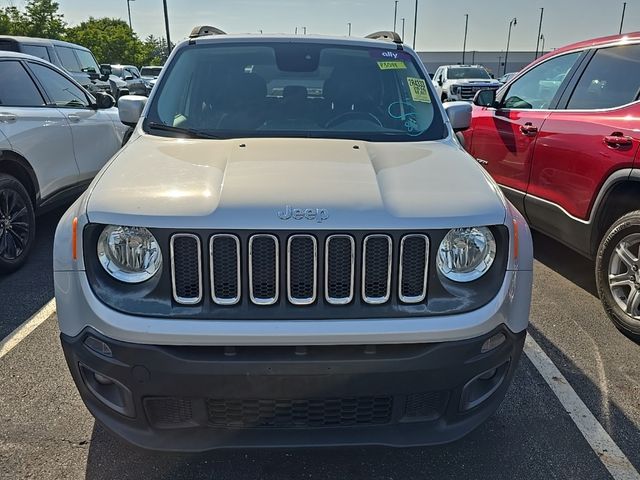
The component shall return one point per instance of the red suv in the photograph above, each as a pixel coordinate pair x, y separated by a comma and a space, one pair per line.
561, 138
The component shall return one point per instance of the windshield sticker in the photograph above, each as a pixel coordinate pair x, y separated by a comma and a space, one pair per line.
389, 55
418, 88
398, 65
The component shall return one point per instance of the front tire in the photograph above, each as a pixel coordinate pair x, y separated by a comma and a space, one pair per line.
618, 274
17, 224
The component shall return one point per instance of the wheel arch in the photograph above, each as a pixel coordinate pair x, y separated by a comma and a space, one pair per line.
14, 164
619, 198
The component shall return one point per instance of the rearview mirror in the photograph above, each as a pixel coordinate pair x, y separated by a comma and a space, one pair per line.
485, 98
130, 109
104, 100
459, 114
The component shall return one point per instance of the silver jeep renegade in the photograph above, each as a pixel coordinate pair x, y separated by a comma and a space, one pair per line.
292, 249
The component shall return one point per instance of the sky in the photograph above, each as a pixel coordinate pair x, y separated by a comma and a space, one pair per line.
440, 23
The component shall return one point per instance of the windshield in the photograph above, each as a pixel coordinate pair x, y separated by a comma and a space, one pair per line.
150, 71
297, 90
464, 73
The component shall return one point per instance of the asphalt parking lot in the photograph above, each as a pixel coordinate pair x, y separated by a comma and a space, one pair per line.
46, 433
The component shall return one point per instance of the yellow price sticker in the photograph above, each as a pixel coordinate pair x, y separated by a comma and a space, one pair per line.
418, 88
392, 65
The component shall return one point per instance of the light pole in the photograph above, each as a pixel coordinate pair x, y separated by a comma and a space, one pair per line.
304, 30
466, 29
512, 23
395, 16
166, 26
129, 11
543, 39
624, 9
403, 29
349, 24
415, 25
539, 32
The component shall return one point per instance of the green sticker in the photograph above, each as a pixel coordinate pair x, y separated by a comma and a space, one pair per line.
392, 65
418, 88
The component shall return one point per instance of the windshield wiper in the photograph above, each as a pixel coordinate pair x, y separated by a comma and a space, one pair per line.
188, 132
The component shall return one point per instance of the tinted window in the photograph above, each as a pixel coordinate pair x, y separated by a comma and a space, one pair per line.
462, 73
68, 59
37, 51
88, 64
134, 71
16, 87
151, 71
537, 88
60, 90
611, 79
298, 90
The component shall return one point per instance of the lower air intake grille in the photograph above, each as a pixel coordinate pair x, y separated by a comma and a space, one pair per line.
304, 413
186, 271
168, 412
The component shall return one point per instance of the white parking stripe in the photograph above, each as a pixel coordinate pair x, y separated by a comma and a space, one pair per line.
601, 443
27, 327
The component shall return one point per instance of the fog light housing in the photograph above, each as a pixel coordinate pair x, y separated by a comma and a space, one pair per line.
480, 388
98, 346
108, 391
493, 342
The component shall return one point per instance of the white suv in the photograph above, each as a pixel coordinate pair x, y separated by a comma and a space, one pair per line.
292, 249
462, 82
54, 137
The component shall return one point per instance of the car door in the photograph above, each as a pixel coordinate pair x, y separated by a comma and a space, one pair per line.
38, 133
504, 137
593, 133
95, 137
136, 84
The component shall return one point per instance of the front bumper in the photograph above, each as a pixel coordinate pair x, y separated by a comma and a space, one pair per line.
196, 398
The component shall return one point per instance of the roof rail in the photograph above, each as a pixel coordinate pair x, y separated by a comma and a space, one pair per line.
202, 30
386, 35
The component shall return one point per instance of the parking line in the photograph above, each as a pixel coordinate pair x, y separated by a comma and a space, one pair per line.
601, 443
27, 327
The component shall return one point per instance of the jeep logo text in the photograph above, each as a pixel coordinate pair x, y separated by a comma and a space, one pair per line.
317, 214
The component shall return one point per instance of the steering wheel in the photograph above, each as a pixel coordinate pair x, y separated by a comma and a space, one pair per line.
346, 116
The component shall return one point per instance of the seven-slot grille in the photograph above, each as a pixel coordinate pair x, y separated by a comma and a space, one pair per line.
468, 92
228, 264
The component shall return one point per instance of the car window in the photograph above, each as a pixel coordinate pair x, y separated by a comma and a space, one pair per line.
298, 90
16, 87
88, 64
68, 59
537, 88
611, 79
463, 73
134, 71
37, 51
60, 90
151, 71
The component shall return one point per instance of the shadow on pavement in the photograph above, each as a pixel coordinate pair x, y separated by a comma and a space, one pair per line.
571, 265
531, 437
25, 291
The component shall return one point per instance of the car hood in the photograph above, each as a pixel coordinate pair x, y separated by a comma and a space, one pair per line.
252, 183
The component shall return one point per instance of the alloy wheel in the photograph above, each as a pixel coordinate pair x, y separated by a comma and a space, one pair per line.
14, 224
624, 275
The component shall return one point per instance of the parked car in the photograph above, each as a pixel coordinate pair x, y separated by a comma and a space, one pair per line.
292, 269
54, 137
506, 77
461, 82
78, 62
130, 74
150, 75
562, 140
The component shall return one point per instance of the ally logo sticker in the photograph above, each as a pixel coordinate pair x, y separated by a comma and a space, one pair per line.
418, 89
396, 65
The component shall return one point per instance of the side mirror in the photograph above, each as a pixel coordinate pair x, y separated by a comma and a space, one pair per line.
128, 77
459, 114
105, 71
485, 98
104, 100
440, 82
130, 109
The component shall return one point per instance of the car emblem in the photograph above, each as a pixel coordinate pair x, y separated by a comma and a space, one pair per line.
317, 214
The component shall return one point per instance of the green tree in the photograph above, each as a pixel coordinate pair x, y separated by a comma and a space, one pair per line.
42, 19
12, 21
110, 39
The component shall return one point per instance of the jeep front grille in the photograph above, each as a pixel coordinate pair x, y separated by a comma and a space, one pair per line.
310, 268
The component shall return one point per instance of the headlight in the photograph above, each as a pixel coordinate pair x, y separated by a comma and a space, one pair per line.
455, 89
465, 254
129, 254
